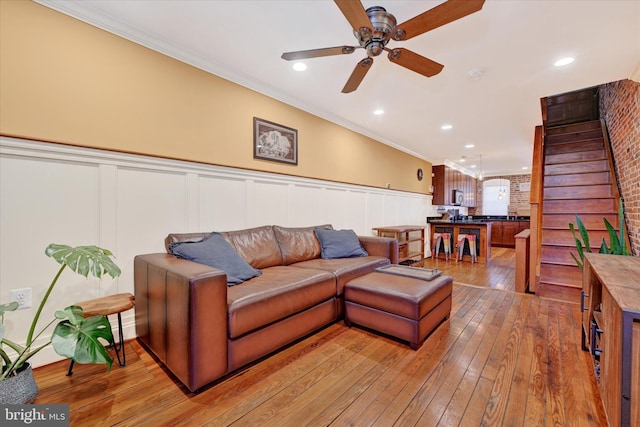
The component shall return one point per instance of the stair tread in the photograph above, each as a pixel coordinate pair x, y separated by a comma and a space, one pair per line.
577, 181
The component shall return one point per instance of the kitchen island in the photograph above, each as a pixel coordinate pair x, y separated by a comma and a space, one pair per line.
481, 229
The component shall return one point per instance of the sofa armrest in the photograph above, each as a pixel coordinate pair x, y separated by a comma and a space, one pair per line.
181, 316
381, 246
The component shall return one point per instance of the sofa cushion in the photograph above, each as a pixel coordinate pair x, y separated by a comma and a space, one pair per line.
339, 244
279, 293
298, 244
258, 246
344, 269
215, 251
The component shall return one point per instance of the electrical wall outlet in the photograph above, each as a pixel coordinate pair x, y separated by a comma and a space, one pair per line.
22, 296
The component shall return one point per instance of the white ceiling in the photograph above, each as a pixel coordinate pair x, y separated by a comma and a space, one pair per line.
513, 43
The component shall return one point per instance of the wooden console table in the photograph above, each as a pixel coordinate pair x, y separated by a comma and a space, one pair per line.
410, 241
611, 332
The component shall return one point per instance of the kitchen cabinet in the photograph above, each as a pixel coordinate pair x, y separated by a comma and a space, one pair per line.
496, 233
446, 179
503, 232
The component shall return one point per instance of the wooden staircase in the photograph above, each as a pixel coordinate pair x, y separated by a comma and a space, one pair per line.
578, 179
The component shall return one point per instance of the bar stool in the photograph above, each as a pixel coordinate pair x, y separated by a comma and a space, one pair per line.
471, 238
105, 306
445, 238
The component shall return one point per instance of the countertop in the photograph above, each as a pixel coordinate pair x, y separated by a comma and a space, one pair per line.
479, 220
462, 222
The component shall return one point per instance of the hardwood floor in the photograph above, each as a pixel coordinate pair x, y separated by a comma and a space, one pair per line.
498, 273
501, 359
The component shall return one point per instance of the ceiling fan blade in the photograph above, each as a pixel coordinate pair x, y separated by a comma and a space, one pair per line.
355, 14
357, 75
315, 53
436, 17
414, 62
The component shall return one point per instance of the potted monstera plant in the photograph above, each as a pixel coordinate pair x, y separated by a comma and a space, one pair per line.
74, 336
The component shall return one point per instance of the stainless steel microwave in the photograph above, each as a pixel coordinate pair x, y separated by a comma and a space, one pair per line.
457, 197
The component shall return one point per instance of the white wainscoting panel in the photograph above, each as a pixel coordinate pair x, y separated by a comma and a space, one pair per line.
129, 203
222, 200
270, 202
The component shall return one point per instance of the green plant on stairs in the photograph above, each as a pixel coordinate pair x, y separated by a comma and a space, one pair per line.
617, 244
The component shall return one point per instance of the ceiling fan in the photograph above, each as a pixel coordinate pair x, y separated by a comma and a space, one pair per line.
374, 27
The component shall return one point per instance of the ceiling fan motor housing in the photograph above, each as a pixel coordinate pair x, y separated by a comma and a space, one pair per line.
383, 24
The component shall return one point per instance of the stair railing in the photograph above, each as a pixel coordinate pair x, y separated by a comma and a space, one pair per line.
535, 199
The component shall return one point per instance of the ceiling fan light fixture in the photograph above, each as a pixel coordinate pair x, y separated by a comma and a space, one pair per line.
374, 27
564, 61
300, 66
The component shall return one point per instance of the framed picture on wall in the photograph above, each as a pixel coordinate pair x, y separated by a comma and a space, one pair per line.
275, 142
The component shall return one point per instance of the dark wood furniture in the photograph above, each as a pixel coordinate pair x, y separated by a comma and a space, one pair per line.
482, 231
503, 233
522, 260
611, 332
410, 241
446, 179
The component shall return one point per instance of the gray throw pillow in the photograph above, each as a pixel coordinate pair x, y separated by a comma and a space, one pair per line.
214, 251
339, 244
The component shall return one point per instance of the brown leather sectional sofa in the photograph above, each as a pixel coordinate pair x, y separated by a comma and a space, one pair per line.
202, 329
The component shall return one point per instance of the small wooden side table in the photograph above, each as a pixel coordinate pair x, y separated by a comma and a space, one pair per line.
410, 241
105, 306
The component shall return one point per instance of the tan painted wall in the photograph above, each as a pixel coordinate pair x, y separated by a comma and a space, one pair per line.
65, 81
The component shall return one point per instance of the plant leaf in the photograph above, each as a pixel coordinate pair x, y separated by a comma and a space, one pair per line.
603, 248
10, 306
576, 260
80, 342
583, 233
614, 242
84, 259
623, 240
579, 247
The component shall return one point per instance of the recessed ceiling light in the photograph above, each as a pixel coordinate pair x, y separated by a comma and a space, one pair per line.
564, 61
378, 112
446, 126
463, 159
475, 74
472, 166
469, 146
299, 66
524, 168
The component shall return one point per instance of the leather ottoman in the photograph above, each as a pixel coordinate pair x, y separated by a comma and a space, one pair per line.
407, 308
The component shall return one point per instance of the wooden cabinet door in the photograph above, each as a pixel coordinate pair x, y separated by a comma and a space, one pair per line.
610, 358
509, 231
439, 185
496, 233
473, 188
448, 179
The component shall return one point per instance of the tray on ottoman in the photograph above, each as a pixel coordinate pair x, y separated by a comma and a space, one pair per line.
408, 308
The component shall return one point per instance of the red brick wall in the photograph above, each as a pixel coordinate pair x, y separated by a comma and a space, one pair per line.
620, 109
